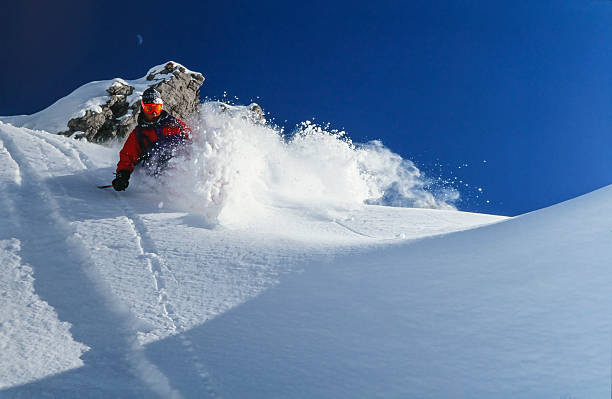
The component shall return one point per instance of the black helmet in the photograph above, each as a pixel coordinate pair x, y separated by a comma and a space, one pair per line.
151, 96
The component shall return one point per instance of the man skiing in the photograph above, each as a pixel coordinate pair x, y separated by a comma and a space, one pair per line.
153, 142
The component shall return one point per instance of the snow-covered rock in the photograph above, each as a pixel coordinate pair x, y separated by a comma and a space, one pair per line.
103, 110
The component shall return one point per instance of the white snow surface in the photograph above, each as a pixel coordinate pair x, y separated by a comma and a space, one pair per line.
253, 269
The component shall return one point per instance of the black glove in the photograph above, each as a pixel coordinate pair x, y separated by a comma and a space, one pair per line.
122, 181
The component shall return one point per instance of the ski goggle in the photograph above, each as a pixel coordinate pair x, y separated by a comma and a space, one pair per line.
151, 108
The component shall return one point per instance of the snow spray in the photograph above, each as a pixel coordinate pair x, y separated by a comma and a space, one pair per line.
238, 167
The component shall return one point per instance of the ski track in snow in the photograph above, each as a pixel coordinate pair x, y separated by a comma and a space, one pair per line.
160, 271
157, 266
114, 326
353, 230
154, 262
78, 153
71, 153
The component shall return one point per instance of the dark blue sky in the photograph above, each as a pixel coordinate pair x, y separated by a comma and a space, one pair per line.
524, 85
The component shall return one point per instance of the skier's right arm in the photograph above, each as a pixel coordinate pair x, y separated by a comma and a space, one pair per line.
129, 154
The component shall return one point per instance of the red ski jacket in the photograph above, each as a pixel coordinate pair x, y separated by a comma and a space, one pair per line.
148, 136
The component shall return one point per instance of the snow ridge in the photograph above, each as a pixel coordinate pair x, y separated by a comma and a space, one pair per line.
11, 170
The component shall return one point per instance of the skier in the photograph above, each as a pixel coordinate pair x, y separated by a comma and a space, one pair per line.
153, 142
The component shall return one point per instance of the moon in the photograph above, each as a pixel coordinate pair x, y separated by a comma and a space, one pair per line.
139, 37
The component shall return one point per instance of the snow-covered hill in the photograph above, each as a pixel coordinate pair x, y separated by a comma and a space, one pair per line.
254, 270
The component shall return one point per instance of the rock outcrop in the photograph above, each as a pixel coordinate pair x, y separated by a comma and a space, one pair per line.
180, 90
252, 112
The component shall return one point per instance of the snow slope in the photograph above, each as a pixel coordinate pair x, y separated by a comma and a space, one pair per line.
519, 309
253, 270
